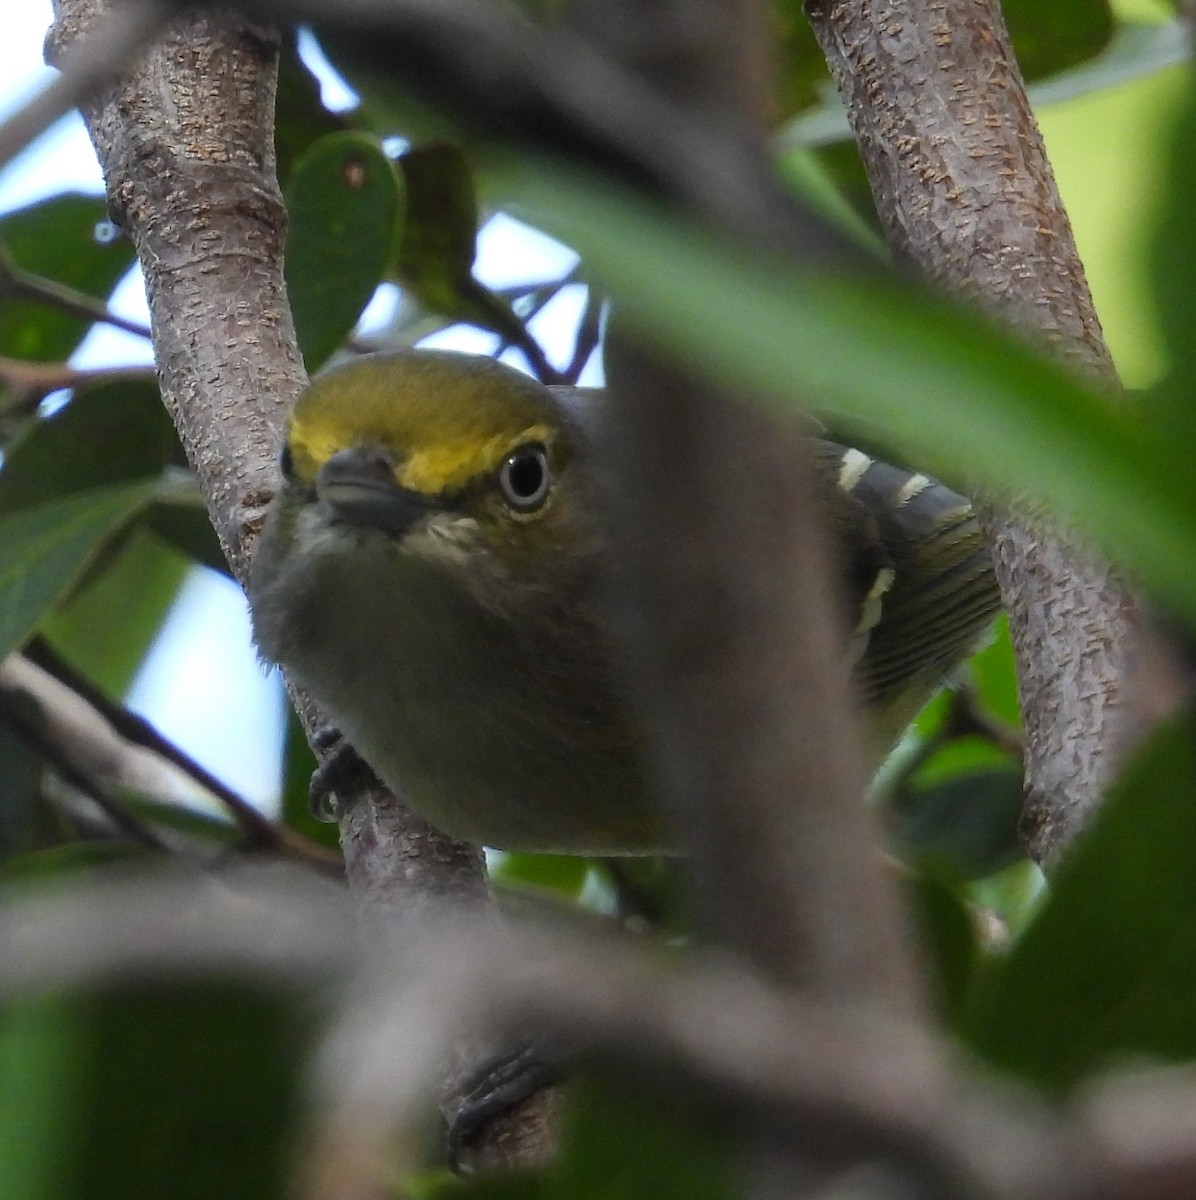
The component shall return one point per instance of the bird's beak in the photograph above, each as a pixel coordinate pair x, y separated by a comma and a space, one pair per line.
359, 486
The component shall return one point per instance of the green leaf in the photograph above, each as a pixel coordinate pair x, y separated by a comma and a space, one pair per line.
511, 1183
1107, 969
44, 549
300, 118
995, 678
891, 362
1138, 48
58, 456
1048, 38
53, 865
564, 875
128, 599
625, 1144
182, 523
344, 203
39, 1051
188, 1091
948, 938
298, 764
439, 243
1173, 277
25, 820
55, 239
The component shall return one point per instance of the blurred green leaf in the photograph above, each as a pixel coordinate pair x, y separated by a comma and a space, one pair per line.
39, 1050
994, 677
186, 1090
511, 1183
1173, 278
439, 243
52, 865
968, 823
183, 524
1048, 38
55, 239
1107, 969
344, 203
628, 1144
25, 825
963, 754
948, 938
891, 361
565, 876
1137, 48
44, 549
25, 822
298, 764
650, 890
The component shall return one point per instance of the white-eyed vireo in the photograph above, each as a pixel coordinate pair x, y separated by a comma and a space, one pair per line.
429, 572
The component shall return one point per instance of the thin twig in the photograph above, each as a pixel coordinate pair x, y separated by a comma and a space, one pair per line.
260, 832
31, 382
589, 331
20, 713
19, 284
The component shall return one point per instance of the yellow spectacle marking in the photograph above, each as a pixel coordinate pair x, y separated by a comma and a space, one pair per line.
431, 469
451, 465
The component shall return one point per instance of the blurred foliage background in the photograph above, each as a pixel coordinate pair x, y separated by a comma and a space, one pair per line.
194, 1089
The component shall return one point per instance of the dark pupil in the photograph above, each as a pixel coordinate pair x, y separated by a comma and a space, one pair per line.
525, 474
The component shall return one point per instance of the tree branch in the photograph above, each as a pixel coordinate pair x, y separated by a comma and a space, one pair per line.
22, 284
186, 142
966, 195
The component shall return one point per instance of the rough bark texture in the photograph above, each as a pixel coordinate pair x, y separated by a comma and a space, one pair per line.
187, 146
186, 142
967, 196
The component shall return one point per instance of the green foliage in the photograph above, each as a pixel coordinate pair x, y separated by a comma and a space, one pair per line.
1049, 38
140, 1091
438, 243
1107, 970
56, 240
44, 549
345, 204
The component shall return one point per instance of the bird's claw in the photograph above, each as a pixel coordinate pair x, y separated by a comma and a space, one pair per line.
341, 769
493, 1086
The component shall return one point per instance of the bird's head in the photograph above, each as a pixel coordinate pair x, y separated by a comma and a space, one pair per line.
447, 456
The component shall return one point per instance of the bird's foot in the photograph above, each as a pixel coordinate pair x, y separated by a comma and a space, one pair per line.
491, 1087
341, 769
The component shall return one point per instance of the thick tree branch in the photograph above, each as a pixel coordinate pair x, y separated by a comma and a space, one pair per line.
186, 142
966, 194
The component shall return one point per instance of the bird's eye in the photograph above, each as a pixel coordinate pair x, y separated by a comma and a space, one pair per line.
524, 478
286, 462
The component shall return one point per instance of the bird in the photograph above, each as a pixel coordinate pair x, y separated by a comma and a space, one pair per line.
431, 572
